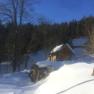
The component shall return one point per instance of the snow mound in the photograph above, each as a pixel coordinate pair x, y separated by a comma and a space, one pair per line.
69, 79
69, 76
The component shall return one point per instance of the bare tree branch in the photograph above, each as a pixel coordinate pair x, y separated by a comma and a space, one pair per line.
16, 10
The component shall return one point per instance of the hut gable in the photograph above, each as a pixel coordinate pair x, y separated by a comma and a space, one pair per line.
61, 52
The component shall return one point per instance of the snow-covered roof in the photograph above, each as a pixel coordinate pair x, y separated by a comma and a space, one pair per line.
57, 48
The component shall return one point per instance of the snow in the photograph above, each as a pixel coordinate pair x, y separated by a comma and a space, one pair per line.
57, 48
79, 41
73, 78
70, 48
79, 51
38, 56
68, 77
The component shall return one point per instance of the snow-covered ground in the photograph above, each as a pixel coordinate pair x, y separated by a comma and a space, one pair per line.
79, 41
69, 77
74, 78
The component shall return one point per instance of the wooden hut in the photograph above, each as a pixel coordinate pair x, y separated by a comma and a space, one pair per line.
61, 52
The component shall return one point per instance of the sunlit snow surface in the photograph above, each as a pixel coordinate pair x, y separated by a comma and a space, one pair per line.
66, 76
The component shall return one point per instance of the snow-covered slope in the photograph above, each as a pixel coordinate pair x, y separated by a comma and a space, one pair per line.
68, 77
74, 78
79, 41
79, 44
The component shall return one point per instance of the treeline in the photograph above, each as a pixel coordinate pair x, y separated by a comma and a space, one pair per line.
29, 38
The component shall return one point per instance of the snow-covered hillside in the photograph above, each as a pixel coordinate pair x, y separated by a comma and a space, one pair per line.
79, 41
69, 77
74, 78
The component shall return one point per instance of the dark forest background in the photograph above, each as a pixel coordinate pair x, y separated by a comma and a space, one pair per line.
29, 38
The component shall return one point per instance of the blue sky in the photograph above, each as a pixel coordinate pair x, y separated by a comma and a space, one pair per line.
65, 10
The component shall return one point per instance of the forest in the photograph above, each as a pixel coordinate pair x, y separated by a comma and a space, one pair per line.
30, 38
19, 37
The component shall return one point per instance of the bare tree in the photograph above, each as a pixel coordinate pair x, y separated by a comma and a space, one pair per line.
14, 11
21, 7
9, 9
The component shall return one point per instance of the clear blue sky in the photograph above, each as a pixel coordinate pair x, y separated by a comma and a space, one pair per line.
65, 10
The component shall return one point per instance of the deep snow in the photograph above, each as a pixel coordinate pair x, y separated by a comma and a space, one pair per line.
72, 78
69, 77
